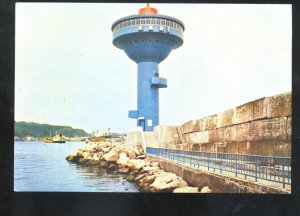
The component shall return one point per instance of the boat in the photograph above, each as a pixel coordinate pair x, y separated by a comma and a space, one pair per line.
99, 136
58, 138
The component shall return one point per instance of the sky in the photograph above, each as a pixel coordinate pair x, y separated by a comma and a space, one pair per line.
68, 72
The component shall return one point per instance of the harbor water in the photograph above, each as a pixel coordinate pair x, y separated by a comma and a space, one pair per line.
40, 166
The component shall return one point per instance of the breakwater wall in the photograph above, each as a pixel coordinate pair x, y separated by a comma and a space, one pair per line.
131, 161
261, 127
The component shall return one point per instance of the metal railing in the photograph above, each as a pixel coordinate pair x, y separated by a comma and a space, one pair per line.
270, 168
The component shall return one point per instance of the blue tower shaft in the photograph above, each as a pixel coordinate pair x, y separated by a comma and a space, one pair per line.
148, 96
148, 39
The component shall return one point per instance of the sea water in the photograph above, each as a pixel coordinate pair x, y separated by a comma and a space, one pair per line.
40, 166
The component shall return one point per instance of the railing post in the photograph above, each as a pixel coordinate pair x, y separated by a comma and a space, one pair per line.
256, 168
198, 158
214, 161
208, 160
283, 178
245, 166
173, 154
236, 156
166, 150
221, 164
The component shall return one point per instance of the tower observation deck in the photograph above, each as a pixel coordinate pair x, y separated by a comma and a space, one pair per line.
148, 38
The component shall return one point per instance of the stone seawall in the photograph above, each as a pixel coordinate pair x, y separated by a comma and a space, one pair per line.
260, 127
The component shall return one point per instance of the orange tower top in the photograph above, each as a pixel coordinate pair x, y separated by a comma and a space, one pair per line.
148, 10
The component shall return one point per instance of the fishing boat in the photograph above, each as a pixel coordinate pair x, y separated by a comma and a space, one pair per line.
99, 136
58, 138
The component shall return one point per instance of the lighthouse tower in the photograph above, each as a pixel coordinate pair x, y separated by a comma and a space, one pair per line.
148, 38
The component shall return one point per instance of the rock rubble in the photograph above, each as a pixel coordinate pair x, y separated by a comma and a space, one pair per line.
131, 161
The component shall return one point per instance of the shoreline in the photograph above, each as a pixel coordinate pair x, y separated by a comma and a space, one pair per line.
131, 161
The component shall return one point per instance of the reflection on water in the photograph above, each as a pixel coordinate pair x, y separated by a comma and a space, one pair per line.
42, 167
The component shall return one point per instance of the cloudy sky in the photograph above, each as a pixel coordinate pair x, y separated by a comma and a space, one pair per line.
68, 72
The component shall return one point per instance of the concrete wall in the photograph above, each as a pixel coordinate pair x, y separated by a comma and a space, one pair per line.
259, 127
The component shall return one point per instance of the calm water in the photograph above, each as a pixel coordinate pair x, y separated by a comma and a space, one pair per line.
42, 167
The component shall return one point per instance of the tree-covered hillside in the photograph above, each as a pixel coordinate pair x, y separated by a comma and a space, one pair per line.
23, 129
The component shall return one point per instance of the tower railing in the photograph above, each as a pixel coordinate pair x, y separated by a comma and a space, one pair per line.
269, 168
148, 21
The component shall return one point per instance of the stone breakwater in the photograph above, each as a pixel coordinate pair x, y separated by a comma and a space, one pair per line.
131, 161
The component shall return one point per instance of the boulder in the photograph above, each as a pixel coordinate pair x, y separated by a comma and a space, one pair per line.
134, 173
136, 164
140, 176
82, 160
79, 153
154, 164
99, 154
120, 150
85, 154
140, 150
145, 187
130, 165
122, 154
167, 181
111, 156
94, 162
112, 166
169, 187
103, 163
105, 149
141, 157
148, 179
147, 168
206, 189
130, 178
186, 190
156, 172
96, 157
71, 157
122, 161
147, 163
135, 150
131, 154
124, 170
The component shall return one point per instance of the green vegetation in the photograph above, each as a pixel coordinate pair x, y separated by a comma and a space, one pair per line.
32, 129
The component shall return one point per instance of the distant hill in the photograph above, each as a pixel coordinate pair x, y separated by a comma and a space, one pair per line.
23, 129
